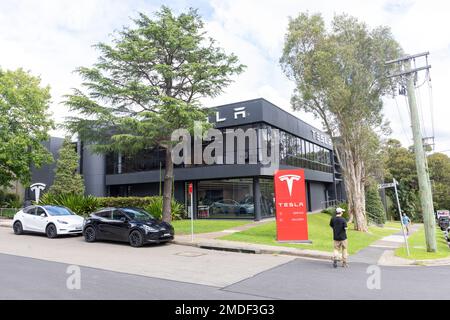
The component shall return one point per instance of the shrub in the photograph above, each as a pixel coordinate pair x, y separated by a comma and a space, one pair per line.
374, 206
138, 202
151, 204
155, 208
81, 205
332, 210
9, 200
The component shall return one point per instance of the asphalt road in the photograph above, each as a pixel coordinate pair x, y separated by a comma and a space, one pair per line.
34, 267
29, 278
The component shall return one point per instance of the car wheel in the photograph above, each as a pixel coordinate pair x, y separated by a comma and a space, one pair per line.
136, 239
17, 227
50, 231
89, 234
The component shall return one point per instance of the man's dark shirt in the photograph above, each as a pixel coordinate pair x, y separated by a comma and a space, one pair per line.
339, 224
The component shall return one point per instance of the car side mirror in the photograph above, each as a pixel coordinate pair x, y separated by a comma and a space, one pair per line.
43, 215
123, 219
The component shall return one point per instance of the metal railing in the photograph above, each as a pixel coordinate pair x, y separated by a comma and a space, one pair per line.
8, 213
331, 203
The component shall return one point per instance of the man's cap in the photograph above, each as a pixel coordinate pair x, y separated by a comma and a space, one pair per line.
340, 210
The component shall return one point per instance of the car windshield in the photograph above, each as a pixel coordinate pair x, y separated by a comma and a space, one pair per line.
58, 211
138, 214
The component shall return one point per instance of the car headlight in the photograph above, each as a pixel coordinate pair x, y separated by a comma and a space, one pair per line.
149, 229
62, 222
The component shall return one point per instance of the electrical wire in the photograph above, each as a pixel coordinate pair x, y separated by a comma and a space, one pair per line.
401, 121
430, 96
421, 112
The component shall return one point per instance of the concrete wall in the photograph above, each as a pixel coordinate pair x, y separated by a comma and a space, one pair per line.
94, 168
46, 173
317, 195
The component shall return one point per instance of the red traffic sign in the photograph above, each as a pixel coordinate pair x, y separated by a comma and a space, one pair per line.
190, 188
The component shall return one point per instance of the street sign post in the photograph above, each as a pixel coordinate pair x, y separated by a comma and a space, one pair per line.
394, 184
191, 193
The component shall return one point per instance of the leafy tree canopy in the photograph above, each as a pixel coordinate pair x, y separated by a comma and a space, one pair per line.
148, 83
340, 77
24, 125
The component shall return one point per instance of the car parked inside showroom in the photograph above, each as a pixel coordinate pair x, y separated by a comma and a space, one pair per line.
50, 220
229, 206
132, 225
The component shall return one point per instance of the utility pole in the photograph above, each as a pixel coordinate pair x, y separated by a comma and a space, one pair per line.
426, 197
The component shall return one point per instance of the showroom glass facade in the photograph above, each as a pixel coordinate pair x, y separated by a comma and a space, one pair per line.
294, 151
226, 190
228, 198
232, 198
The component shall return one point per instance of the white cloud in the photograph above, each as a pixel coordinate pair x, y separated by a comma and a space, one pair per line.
52, 38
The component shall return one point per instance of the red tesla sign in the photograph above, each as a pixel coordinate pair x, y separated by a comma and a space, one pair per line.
290, 202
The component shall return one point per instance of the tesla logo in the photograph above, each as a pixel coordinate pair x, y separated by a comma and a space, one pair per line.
236, 112
290, 178
37, 188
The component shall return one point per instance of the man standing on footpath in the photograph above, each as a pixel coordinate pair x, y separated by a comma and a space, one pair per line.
339, 225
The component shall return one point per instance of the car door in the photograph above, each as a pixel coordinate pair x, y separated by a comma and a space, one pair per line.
40, 222
28, 218
103, 224
118, 227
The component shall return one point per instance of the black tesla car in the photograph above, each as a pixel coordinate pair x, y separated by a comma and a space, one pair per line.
132, 225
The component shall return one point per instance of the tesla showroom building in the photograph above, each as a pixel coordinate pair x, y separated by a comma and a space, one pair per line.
225, 190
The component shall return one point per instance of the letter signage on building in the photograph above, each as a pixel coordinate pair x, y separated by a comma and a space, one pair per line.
291, 208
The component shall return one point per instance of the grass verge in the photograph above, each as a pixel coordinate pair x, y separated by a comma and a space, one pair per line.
204, 226
418, 250
320, 234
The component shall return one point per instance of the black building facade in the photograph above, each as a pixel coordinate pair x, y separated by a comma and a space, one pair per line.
226, 190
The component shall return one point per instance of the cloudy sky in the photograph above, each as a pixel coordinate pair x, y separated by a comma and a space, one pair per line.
53, 37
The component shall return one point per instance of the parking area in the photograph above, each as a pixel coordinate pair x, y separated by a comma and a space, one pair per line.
169, 261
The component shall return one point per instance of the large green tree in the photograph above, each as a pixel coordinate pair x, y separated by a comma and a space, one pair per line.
439, 165
399, 163
148, 83
24, 125
67, 179
340, 76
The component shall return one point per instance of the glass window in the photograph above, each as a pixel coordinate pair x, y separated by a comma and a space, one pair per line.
58, 211
137, 214
267, 197
231, 198
40, 211
118, 215
105, 214
30, 210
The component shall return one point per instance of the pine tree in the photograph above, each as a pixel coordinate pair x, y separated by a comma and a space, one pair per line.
67, 179
374, 206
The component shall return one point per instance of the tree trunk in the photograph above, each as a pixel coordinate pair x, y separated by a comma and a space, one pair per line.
167, 194
353, 172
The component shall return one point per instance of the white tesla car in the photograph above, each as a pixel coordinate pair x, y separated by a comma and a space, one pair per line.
51, 220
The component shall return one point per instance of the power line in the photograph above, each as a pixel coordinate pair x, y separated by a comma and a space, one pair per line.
401, 122
430, 96
419, 101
